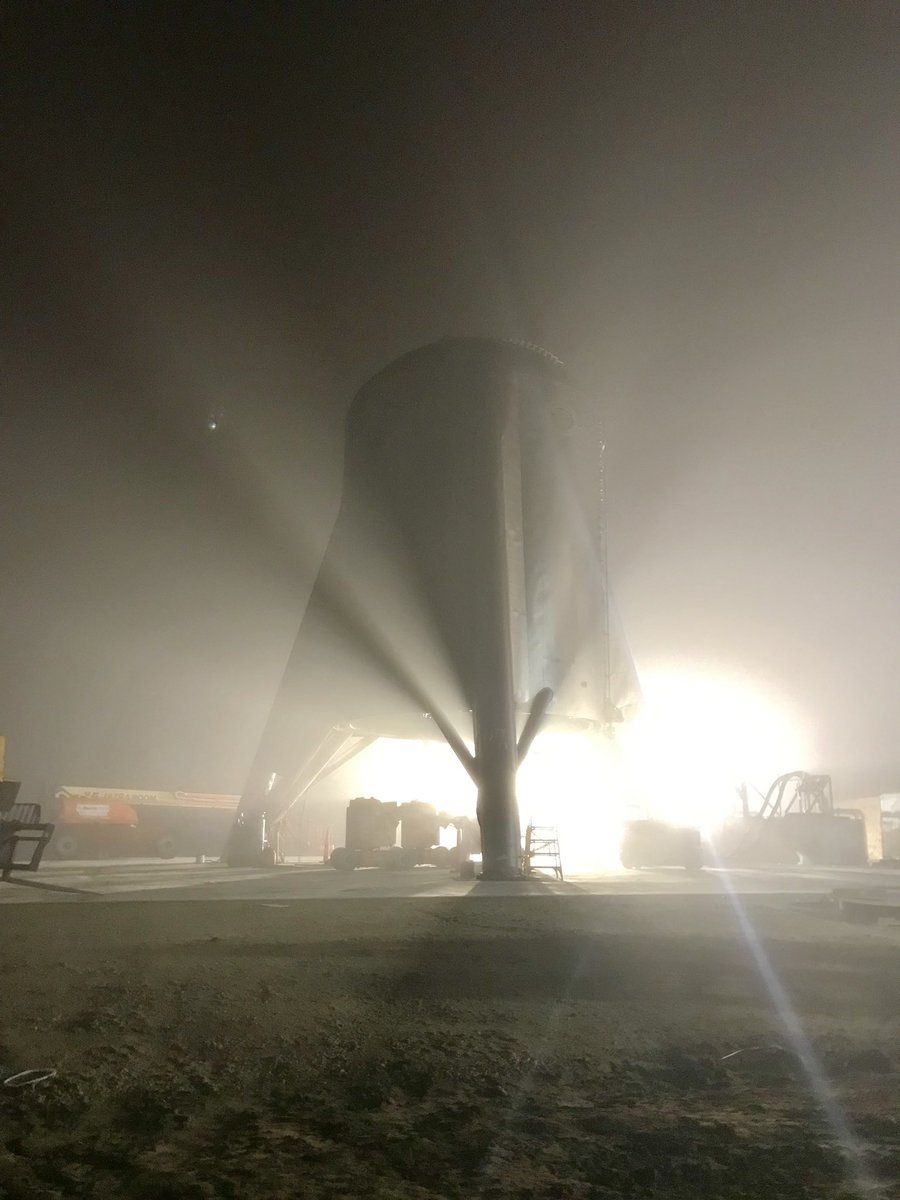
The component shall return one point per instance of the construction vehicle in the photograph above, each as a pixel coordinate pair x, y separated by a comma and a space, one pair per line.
797, 822
371, 836
656, 844
127, 822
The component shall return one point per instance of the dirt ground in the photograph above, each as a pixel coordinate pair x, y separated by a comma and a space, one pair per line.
412, 1049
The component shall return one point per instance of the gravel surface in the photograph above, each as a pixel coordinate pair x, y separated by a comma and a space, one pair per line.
432, 1049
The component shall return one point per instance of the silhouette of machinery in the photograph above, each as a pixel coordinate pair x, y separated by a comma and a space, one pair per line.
371, 836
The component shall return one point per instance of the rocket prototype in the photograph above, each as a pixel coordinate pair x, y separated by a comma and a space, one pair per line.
463, 591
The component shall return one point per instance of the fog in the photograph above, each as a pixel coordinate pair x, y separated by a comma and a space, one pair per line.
691, 205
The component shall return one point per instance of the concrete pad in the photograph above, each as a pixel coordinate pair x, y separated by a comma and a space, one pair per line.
187, 880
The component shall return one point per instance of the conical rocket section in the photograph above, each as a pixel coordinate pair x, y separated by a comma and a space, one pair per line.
458, 583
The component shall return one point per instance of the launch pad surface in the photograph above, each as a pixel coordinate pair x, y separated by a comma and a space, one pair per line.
186, 880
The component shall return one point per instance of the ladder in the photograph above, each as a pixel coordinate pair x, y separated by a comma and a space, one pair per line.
542, 850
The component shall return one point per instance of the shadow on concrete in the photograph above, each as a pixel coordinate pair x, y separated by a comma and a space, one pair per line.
51, 887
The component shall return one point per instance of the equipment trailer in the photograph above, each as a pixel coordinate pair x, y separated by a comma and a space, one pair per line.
371, 836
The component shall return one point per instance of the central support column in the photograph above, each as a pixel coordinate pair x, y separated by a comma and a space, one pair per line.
498, 811
494, 712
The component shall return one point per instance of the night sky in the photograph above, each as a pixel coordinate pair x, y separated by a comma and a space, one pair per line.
240, 212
